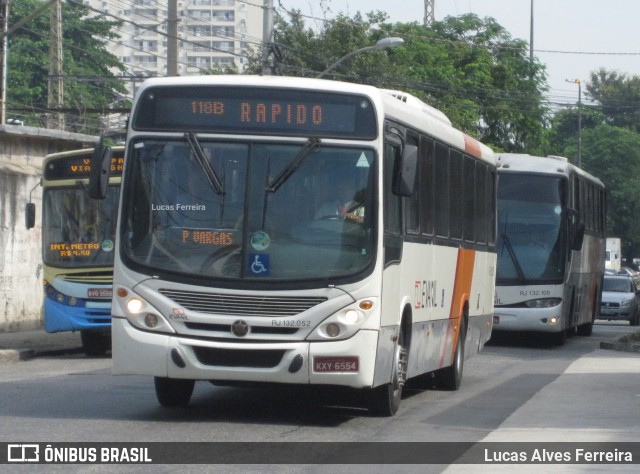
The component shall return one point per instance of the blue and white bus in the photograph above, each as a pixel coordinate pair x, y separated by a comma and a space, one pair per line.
78, 239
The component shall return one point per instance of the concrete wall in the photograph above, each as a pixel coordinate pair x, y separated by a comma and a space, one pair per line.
22, 150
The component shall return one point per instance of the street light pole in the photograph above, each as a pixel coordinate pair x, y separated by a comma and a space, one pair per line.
577, 81
383, 43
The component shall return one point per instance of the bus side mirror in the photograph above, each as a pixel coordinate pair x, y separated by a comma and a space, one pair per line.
30, 215
405, 171
578, 236
576, 230
99, 175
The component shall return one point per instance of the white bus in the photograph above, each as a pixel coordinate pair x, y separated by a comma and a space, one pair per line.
551, 245
241, 259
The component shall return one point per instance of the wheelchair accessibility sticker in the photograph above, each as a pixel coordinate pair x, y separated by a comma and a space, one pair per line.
259, 264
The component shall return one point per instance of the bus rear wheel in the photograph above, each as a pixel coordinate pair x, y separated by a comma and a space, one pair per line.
173, 392
450, 378
385, 399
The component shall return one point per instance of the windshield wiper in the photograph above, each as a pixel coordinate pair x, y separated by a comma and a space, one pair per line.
279, 180
512, 254
198, 152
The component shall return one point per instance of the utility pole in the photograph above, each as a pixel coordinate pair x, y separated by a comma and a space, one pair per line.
4, 22
172, 38
55, 96
267, 36
429, 15
531, 36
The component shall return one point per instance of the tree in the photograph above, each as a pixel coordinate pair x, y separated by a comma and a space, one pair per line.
613, 155
482, 79
618, 96
87, 63
469, 68
564, 127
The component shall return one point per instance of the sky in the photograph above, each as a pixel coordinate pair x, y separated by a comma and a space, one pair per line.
571, 38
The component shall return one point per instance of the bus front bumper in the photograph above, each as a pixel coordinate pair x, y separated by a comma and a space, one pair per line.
349, 362
524, 319
59, 317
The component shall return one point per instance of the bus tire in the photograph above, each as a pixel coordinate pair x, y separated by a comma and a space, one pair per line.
450, 377
385, 399
95, 343
559, 338
586, 329
173, 392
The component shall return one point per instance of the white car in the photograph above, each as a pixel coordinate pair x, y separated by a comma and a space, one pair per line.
620, 299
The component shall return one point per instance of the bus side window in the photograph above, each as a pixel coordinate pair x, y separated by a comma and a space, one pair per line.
412, 203
426, 184
442, 191
392, 206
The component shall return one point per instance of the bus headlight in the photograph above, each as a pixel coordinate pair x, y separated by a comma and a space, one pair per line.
543, 303
144, 316
333, 330
135, 305
151, 320
60, 298
351, 316
344, 323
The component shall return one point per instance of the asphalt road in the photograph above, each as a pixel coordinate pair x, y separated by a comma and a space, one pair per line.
518, 389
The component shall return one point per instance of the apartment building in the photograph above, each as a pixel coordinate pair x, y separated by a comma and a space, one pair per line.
211, 33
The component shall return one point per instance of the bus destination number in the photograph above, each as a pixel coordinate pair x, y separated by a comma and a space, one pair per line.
76, 249
83, 168
207, 237
272, 113
335, 364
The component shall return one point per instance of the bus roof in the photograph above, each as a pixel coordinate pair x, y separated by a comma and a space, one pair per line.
552, 164
398, 105
77, 152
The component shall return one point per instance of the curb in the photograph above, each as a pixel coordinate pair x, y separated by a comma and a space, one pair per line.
620, 346
9, 356
13, 355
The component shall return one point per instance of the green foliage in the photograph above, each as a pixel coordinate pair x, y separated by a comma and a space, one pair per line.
470, 68
564, 127
610, 147
618, 96
87, 62
613, 155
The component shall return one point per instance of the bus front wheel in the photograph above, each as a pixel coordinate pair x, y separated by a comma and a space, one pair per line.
385, 399
173, 392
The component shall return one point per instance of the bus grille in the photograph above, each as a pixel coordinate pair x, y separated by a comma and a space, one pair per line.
226, 328
99, 278
239, 305
259, 358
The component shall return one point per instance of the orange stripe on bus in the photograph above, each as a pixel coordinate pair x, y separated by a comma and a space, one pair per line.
462, 284
472, 146
461, 293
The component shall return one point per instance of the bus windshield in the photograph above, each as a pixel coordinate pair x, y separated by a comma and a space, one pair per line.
78, 231
249, 211
530, 231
